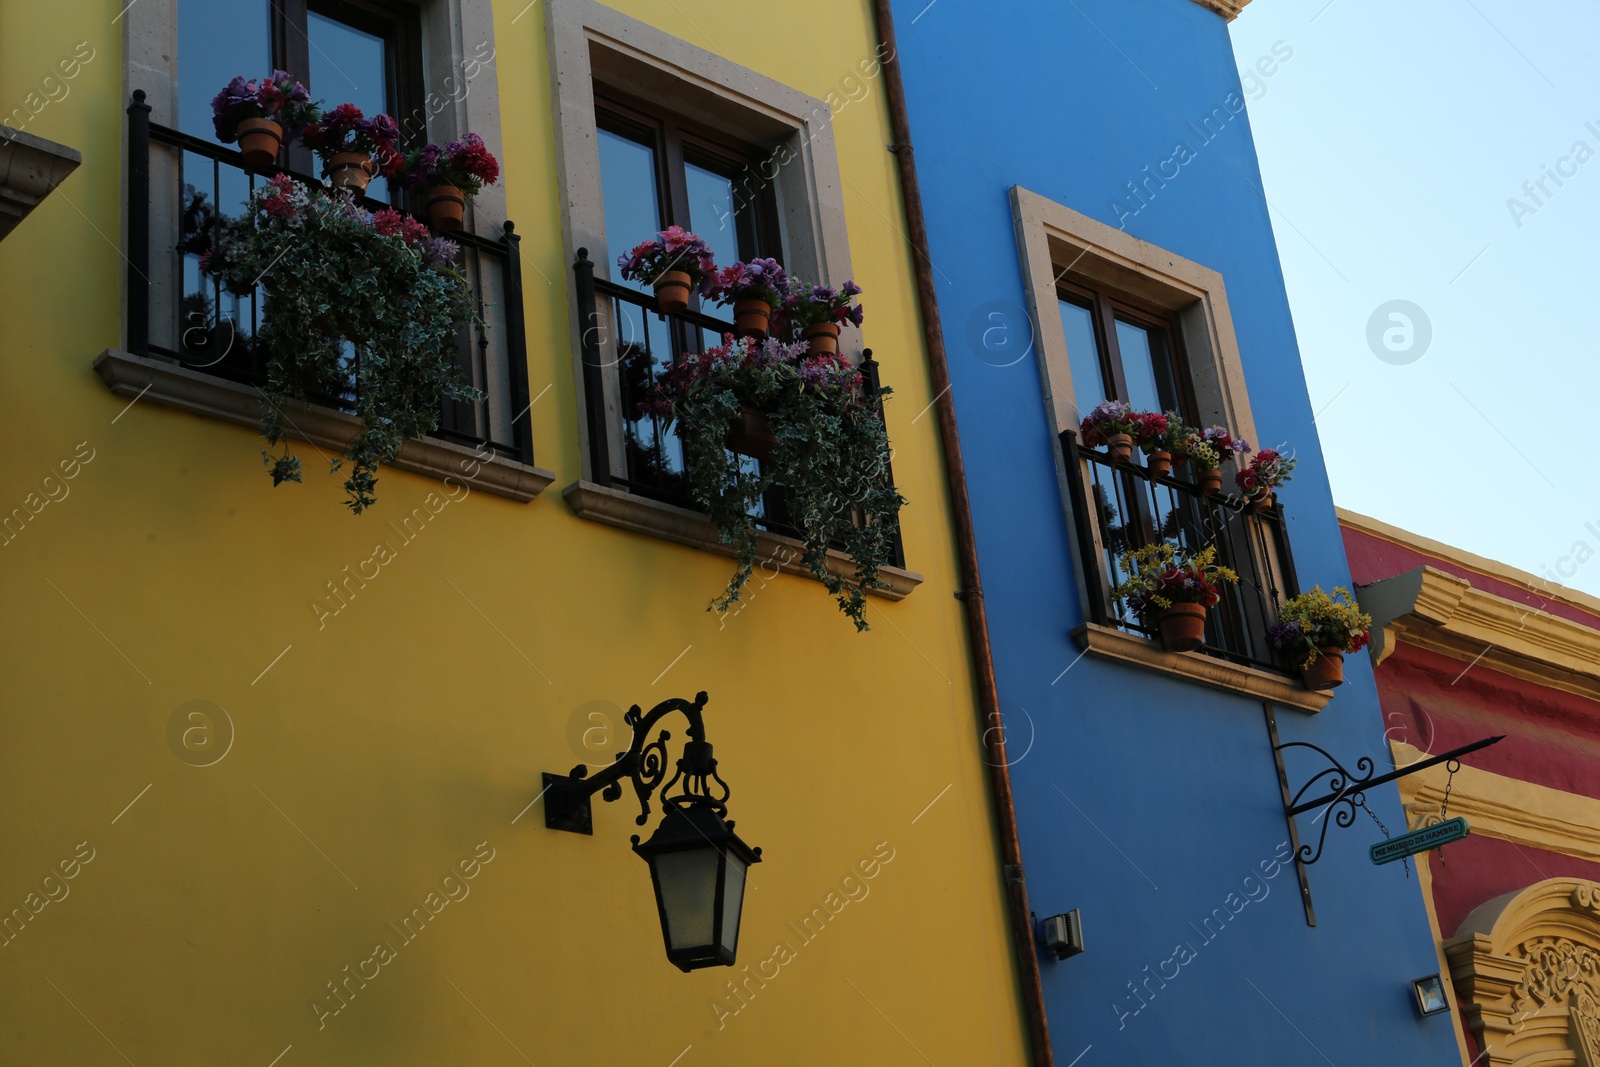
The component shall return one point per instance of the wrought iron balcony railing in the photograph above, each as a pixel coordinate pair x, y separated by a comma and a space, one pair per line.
181, 188
627, 344
1118, 507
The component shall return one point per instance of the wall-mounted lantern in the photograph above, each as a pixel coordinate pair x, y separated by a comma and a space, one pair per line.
1429, 993
697, 863
1063, 934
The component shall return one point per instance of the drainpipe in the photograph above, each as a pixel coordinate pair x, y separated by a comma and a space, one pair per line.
1027, 957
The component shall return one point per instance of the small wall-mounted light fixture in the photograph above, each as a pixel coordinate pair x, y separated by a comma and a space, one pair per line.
697, 863
1063, 934
1429, 993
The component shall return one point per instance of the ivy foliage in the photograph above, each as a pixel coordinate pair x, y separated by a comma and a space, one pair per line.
831, 459
354, 302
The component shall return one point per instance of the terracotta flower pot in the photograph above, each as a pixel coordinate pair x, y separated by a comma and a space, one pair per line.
823, 339
1326, 671
1211, 481
1120, 445
1160, 463
751, 434
446, 207
259, 141
1183, 627
751, 318
350, 170
1263, 502
672, 291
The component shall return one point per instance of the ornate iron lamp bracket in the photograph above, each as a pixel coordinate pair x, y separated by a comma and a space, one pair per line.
644, 763
1344, 796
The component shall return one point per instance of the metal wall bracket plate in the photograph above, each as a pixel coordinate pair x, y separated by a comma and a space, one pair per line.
564, 809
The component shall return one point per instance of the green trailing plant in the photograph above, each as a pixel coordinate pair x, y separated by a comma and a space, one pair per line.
349, 295
1317, 620
831, 458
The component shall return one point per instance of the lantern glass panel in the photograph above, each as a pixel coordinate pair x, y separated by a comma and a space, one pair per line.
687, 880
732, 902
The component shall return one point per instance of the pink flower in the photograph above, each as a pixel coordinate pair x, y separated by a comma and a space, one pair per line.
387, 222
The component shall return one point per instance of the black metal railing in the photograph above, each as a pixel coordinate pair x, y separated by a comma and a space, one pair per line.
627, 343
1118, 507
206, 328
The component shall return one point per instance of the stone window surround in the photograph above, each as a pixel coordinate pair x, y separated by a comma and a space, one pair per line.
1056, 243
590, 43
457, 41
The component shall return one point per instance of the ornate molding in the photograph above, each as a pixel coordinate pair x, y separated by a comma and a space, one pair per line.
175, 386
1528, 967
1110, 643
629, 511
1506, 808
30, 169
1228, 9
1430, 609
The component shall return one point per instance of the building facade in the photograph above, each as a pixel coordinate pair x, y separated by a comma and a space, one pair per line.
1097, 229
1467, 648
272, 785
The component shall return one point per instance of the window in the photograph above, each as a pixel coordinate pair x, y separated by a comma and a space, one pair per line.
656, 170
1119, 351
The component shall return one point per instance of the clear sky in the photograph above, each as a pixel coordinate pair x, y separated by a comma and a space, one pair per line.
1390, 144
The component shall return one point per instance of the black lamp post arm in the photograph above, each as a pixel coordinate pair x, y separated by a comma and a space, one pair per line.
645, 763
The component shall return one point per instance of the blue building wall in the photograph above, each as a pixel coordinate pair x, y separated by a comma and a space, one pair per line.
1146, 801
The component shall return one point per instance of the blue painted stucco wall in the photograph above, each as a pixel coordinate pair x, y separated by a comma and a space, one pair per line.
1149, 803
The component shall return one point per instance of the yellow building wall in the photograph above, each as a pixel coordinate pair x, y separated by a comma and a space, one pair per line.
353, 767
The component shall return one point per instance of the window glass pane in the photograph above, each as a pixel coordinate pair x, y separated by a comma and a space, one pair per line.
349, 65
217, 40
1138, 366
1083, 354
628, 191
713, 211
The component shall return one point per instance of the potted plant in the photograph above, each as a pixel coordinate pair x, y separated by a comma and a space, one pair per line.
394, 306
674, 263
1149, 433
1316, 629
1165, 449
355, 149
1113, 425
1208, 449
817, 312
829, 453
450, 176
1171, 591
1266, 471
754, 288
262, 116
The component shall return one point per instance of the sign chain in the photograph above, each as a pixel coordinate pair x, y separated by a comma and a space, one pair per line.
1361, 802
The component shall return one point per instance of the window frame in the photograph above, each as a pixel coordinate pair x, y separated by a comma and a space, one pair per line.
1106, 307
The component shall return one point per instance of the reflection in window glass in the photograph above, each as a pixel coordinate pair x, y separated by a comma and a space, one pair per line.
217, 40
1138, 366
712, 210
628, 190
1088, 383
348, 65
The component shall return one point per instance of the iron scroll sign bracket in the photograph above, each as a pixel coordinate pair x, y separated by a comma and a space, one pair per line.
1345, 795
644, 764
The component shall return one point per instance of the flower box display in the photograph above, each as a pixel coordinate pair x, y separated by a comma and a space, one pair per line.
450, 176
1170, 591
355, 149
675, 263
343, 289
823, 442
262, 116
1316, 629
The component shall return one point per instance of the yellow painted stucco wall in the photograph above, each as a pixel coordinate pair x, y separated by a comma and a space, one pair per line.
208, 907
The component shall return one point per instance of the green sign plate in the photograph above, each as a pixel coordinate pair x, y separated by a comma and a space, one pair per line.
1429, 837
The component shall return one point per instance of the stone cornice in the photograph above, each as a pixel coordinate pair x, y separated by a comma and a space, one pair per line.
1505, 808
1228, 9
1108, 642
1440, 612
30, 168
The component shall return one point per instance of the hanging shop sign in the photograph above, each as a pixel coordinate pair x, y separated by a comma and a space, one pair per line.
1423, 840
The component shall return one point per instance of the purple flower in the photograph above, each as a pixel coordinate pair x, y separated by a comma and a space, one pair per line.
441, 251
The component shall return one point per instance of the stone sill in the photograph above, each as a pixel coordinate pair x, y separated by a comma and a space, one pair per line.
30, 169
1108, 642
628, 511
172, 385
